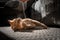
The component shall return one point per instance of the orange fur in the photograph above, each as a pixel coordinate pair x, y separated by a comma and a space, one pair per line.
21, 24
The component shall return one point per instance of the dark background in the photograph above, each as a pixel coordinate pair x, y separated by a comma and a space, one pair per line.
7, 13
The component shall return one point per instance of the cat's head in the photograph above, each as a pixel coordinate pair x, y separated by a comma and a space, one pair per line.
14, 23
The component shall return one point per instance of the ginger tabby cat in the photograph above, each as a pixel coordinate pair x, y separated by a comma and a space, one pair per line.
27, 23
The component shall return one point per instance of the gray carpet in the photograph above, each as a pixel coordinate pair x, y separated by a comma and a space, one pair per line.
44, 34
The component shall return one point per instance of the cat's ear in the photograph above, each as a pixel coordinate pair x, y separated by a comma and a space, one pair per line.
10, 21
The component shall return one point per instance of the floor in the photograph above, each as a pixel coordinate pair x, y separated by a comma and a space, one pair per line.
40, 34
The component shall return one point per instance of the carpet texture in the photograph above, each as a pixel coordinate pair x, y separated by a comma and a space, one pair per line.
41, 34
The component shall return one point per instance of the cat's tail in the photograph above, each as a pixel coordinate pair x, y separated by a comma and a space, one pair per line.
40, 24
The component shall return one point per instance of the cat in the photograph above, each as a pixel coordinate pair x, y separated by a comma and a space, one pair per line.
26, 23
